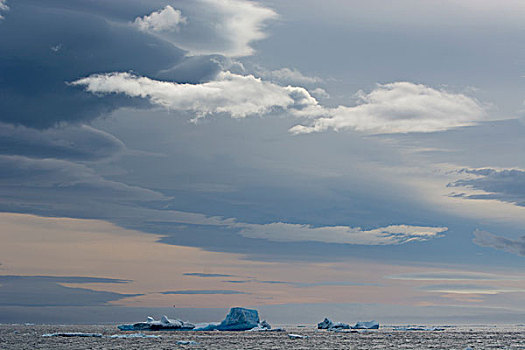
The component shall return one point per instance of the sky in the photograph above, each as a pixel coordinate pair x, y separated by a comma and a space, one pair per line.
311, 159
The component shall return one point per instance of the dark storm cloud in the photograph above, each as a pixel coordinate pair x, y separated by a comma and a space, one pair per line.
73, 143
53, 187
504, 185
49, 291
45, 44
486, 239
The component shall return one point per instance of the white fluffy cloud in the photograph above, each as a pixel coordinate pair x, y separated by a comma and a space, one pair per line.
390, 235
237, 95
242, 22
399, 107
167, 19
221, 27
3, 7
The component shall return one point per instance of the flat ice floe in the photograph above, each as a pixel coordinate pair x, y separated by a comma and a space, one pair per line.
73, 334
417, 328
133, 335
297, 336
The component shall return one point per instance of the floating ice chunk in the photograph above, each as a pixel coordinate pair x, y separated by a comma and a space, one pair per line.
187, 342
366, 325
328, 324
152, 325
73, 334
418, 328
297, 336
212, 326
134, 335
264, 326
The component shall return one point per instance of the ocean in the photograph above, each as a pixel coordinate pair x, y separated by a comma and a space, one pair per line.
452, 337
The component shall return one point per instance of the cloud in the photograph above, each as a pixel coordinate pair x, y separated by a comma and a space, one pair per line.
73, 142
288, 76
450, 276
33, 91
3, 8
391, 108
230, 93
210, 27
304, 284
243, 23
507, 185
167, 19
390, 235
204, 292
224, 27
49, 291
486, 239
399, 107
468, 289
53, 186
205, 275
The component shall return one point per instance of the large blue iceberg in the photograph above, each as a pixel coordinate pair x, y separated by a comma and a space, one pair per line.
238, 319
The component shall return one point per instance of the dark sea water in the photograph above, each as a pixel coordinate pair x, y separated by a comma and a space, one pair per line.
460, 337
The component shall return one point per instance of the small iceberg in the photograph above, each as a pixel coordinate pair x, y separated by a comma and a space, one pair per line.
187, 342
297, 336
165, 324
329, 325
73, 334
366, 325
264, 326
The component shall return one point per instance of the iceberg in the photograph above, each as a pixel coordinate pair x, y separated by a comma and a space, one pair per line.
165, 324
366, 325
328, 324
238, 319
264, 326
